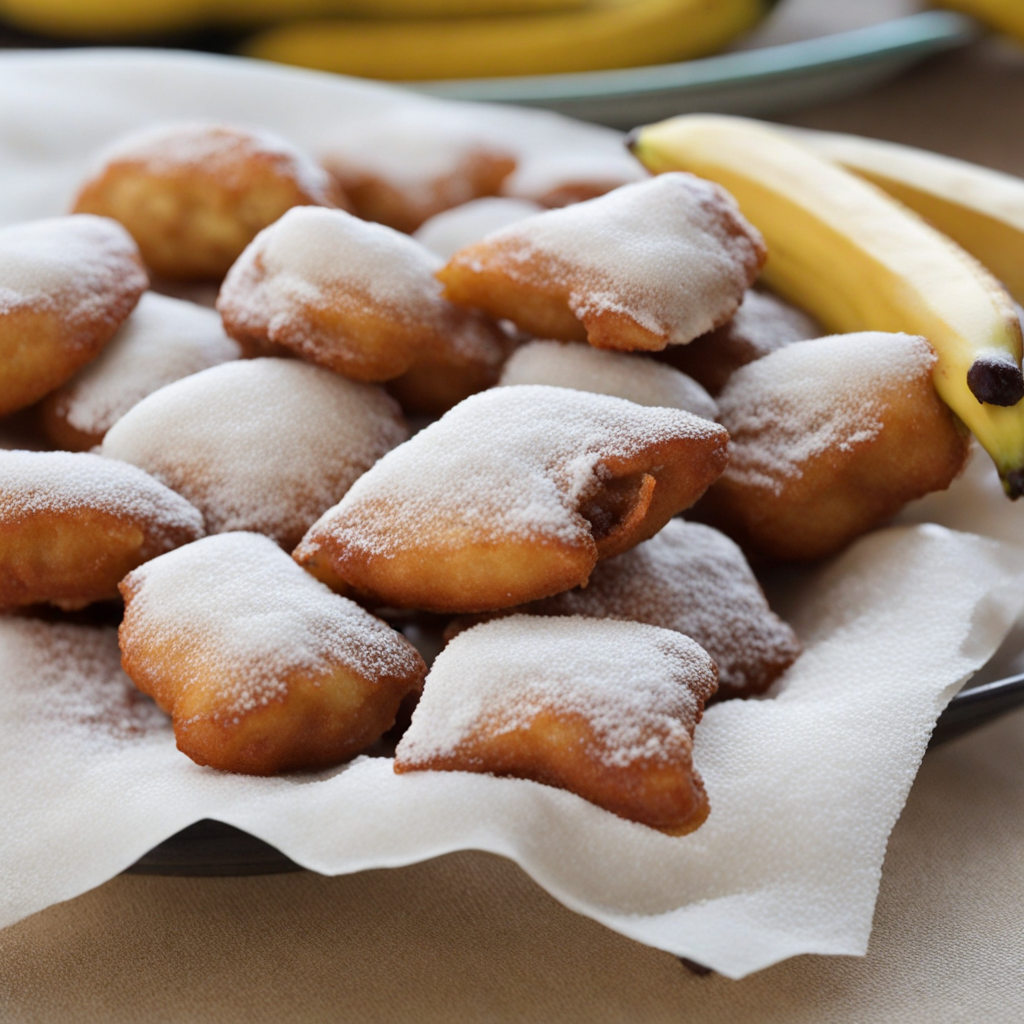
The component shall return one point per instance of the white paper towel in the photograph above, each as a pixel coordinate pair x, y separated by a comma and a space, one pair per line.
805, 785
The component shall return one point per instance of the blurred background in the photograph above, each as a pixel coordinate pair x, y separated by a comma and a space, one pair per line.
618, 62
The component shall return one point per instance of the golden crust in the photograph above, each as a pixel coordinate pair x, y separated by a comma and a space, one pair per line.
72, 525
651, 264
444, 376
849, 487
458, 556
315, 707
498, 701
84, 276
355, 298
404, 207
194, 196
553, 749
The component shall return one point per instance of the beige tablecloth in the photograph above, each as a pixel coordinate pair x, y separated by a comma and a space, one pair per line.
469, 937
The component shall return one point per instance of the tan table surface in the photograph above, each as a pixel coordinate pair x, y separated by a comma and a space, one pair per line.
470, 937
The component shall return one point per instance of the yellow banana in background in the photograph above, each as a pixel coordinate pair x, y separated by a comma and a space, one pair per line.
980, 209
1002, 15
858, 260
603, 34
86, 18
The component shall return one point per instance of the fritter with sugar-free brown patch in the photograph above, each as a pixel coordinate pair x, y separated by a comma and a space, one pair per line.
195, 195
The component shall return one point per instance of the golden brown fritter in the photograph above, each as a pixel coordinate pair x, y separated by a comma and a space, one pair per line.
829, 439
261, 668
602, 708
512, 496
354, 297
66, 286
72, 524
195, 195
656, 263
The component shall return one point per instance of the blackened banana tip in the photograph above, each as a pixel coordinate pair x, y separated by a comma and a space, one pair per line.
996, 380
632, 139
1013, 484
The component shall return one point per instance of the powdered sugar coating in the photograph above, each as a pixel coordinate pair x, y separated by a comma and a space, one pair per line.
638, 379
509, 462
413, 152
672, 254
33, 483
163, 340
67, 265
310, 251
692, 579
251, 618
812, 396
767, 323
315, 262
77, 670
262, 444
219, 151
639, 687
447, 232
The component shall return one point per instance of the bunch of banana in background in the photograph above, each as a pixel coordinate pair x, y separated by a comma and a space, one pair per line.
420, 39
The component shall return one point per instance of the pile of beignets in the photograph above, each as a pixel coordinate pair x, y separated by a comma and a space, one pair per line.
483, 433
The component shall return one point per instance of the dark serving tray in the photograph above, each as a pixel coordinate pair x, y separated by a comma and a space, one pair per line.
211, 848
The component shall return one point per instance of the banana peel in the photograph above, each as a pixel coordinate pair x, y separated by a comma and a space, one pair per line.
980, 209
1005, 16
858, 260
106, 18
604, 34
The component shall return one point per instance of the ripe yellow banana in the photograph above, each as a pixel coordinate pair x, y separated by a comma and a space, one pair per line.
980, 209
858, 260
605, 34
1002, 15
128, 17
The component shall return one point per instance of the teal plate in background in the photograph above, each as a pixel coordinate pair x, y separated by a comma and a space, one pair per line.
755, 82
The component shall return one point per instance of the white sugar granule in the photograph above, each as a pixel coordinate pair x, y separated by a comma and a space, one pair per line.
672, 254
583, 368
250, 617
76, 677
447, 232
812, 396
218, 151
262, 444
639, 687
33, 483
162, 341
314, 257
67, 265
513, 461
695, 580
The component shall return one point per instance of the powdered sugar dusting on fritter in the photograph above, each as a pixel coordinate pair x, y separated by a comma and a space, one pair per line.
639, 687
255, 617
810, 396
507, 462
